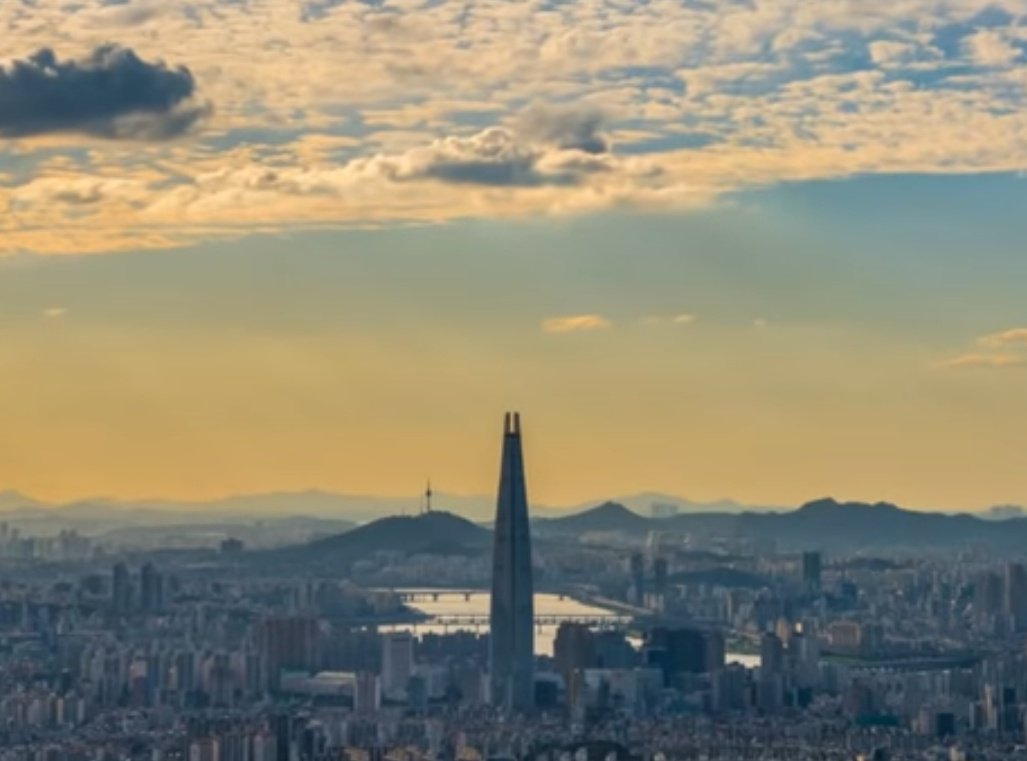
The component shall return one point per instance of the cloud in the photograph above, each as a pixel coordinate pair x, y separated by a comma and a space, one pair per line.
557, 148
112, 93
991, 48
120, 13
494, 156
55, 313
674, 319
760, 323
568, 127
1011, 337
575, 323
1000, 348
583, 108
985, 360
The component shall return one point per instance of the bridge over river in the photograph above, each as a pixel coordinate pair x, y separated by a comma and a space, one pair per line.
447, 610
476, 621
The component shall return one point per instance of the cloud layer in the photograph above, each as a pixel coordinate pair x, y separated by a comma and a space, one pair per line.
341, 114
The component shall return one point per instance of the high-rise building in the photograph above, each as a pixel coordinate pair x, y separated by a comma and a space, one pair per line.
151, 589
772, 654
511, 617
1016, 595
367, 693
121, 589
397, 664
988, 594
637, 593
291, 643
573, 649
811, 571
684, 651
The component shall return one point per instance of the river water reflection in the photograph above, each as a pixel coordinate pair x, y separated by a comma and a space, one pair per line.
469, 610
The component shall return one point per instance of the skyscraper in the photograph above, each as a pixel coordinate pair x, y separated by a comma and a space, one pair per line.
151, 589
397, 664
511, 618
121, 589
1015, 602
811, 571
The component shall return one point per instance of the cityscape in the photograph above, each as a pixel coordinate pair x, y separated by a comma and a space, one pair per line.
605, 634
513, 380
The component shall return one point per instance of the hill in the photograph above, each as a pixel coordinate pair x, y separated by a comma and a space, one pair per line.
435, 533
605, 518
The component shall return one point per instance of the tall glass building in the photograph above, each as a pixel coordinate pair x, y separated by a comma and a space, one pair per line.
511, 618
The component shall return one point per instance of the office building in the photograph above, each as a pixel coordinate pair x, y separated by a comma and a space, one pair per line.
397, 664
121, 589
811, 571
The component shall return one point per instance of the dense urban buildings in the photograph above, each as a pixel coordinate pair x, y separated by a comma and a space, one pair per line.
608, 634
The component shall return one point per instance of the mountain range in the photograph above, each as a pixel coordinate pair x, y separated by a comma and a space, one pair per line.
823, 524
277, 517
96, 514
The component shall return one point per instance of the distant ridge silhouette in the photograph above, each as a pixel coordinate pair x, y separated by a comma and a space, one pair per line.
436, 532
825, 523
609, 516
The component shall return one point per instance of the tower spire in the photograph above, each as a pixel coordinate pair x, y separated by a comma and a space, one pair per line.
511, 615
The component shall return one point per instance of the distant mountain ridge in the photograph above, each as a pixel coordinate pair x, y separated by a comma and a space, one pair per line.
105, 513
607, 517
823, 523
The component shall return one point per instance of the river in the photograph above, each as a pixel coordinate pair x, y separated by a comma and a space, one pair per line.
474, 604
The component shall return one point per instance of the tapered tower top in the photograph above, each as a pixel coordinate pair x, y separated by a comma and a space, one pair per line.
512, 424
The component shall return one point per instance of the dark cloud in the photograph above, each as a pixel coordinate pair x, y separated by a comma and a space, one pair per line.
112, 93
566, 128
509, 170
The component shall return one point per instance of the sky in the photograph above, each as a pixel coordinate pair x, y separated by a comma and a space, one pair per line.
769, 250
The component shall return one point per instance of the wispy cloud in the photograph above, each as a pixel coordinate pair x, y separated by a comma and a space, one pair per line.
575, 323
682, 318
55, 313
1005, 348
1011, 337
985, 360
